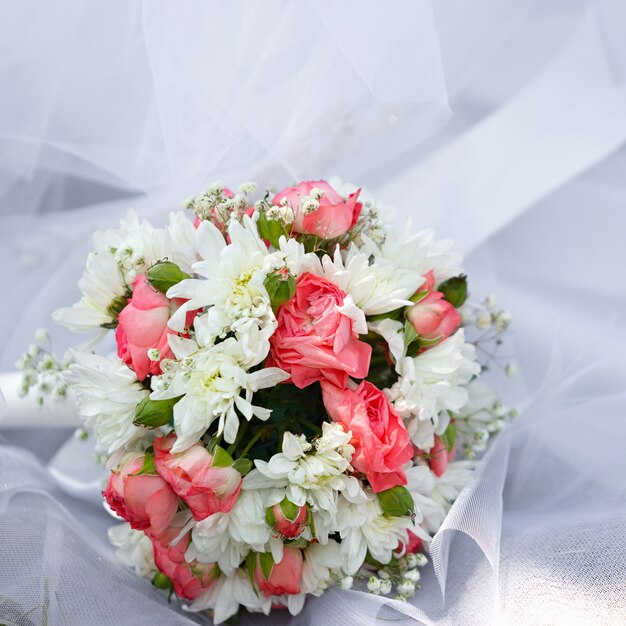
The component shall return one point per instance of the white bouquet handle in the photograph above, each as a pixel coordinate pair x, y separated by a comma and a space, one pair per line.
18, 411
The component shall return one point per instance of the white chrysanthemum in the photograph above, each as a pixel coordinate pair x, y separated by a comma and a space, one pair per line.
449, 485
227, 594
476, 416
421, 484
322, 566
213, 383
101, 284
420, 253
312, 474
365, 527
107, 393
232, 280
226, 538
134, 549
376, 286
292, 255
119, 256
434, 381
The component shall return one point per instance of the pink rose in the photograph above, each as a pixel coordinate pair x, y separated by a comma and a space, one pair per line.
439, 457
433, 318
204, 487
332, 218
316, 341
146, 502
190, 579
284, 577
380, 439
142, 325
288, 519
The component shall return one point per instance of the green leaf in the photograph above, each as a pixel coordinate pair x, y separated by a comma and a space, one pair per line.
154, 413
266, 561
397, 502
449, 437
270, 518
271, 230
221, 458
410, 334
243, 466
165, 274
454, 290
250, 567
148, 466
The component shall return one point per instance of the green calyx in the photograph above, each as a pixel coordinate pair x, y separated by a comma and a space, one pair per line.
397, 502
454, 290
165, 274
281, 287
154, 413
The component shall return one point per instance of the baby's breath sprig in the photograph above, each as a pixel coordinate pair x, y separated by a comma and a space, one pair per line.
220, 205
42, 371
493, 323
400, 577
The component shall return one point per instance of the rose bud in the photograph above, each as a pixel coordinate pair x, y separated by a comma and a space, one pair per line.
319, 210
206, 482
146, 501
287, 518
190, 579
440, 456
276, 579
433, 318
142, 326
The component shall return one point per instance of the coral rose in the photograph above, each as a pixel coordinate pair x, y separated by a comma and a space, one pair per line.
284, 576
196, 479
147, 502
379, 436
190, 579
327, 217
314, 339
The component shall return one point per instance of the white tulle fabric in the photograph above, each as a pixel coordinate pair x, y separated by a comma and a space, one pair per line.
139, 104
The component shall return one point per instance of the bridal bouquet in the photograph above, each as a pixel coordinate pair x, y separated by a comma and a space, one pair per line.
291, 382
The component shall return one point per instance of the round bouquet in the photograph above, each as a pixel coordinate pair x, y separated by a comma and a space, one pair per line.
291, 383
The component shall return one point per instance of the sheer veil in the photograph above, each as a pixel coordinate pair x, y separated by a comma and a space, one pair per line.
498, 122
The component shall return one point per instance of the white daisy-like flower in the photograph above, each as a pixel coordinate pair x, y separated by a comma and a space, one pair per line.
231, 283
312, 473
421, 483
107, 394
227, 594
434, 381
376, 286
292, 255
214, 383
119, 256
449, 485
226, 538
134, 549
420, 253
364, 527
477, 414
101, 284
322, 567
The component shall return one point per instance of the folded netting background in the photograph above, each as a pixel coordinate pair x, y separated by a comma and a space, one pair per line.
499, 122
